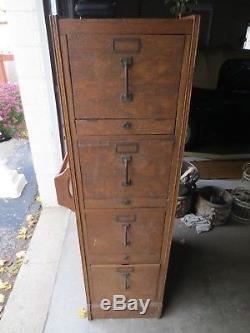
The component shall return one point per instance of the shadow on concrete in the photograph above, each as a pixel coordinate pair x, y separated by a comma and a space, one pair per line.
210, 270
180, 257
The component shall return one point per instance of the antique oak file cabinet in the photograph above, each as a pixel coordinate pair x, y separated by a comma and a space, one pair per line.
125, 87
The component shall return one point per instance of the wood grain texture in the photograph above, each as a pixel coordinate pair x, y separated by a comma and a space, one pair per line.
220, 169
126, 126
125, 235
142, 281
63, 185
181, 127
160, 80
154, 311
98, 77
126, 202
127, 26
103, 168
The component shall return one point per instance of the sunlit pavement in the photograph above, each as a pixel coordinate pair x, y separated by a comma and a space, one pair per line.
13, 211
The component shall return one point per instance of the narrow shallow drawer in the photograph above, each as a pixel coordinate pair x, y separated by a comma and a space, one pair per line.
124, 126
132, 281
126, 202
124, 235
125, 168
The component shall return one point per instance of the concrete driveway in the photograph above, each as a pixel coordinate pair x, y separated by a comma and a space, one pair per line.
13, 211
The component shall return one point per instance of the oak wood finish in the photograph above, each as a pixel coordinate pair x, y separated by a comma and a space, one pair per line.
220, 169
127, 26
132, 281
125, 235
148, 166
125, 126
154, 311
126, 172
98, 75
126, 202
64, 187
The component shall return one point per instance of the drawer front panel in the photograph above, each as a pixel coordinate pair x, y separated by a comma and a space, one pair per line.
125, 235
126, 202
134, 82
129, 167
125, 126
132, 281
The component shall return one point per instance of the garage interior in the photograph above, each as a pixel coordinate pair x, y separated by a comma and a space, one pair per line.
208, 284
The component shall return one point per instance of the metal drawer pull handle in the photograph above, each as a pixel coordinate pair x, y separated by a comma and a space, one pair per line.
126, 226
126, 62
126, 160
126, 280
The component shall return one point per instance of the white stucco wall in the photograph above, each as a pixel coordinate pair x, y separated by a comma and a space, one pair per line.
30, 47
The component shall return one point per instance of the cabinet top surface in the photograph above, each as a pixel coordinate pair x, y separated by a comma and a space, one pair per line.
127, 26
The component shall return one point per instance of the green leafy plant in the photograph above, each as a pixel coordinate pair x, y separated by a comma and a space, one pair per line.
12, 122
179, 8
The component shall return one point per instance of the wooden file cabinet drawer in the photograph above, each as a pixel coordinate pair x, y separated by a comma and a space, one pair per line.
125, 235
128, 167
98, 75
132, 281
124, 126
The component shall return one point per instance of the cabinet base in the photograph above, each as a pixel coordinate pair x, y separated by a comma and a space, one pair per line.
154, 311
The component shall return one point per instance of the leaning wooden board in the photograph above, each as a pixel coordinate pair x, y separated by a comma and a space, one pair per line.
125, 89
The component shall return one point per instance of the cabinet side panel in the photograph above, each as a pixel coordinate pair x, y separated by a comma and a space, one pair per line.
181, 125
